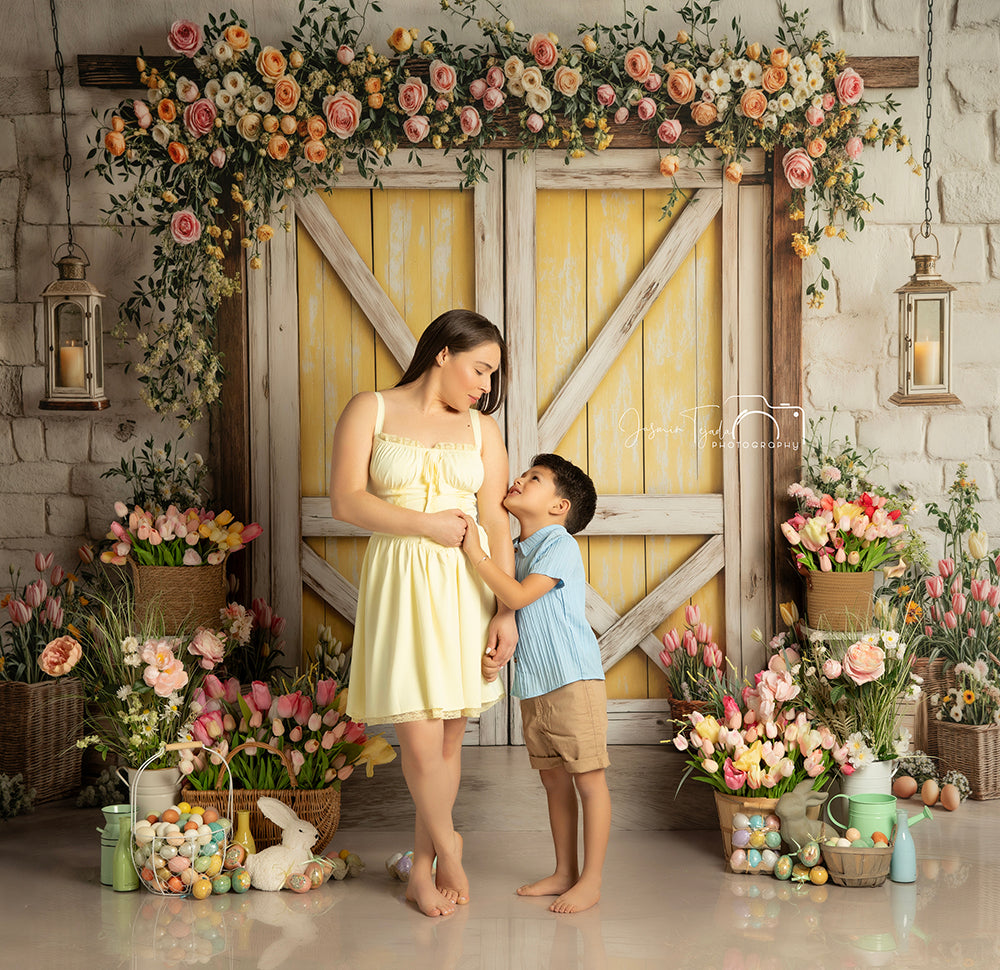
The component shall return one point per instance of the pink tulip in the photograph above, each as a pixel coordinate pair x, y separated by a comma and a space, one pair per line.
286, 704
232, 689
957, 586
946, 567
841, 555
259, 698
58, 575
690, 643
986, 617
43, 562
298, 760
980, 589
703, 632
250, 532
993, 596
20, 612
256, 719
950, 620
344, 773
315, 722
692, 614
229, 722
958, 603
213, 687
935, 586
734, 778
295, 734
326, 692
712, 655
303, 709
328, 740
731, 713
928, 631
355, 733
34, 593
680, 742
52, 609
277, 727
790, 534
666, 659
331, 717
824, 563
86, 554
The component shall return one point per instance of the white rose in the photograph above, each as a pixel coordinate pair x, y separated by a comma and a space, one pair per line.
263, 102
540, 100
801, 95
212, 88
513, 67
249, 126
224, 100
531, 79
715, 58
222, 51
515, 87
233, 82
161, 134
240, 107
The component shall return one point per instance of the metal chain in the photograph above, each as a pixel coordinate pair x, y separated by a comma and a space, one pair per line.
925, 229
67, 159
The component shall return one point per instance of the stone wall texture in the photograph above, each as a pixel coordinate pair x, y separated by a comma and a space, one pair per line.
51, 494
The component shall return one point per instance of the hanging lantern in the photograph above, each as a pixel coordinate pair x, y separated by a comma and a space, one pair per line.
74, 363
925, 301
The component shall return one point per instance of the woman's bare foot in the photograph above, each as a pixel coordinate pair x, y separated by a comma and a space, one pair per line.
428, 899
581, 896
554, 885
451, 880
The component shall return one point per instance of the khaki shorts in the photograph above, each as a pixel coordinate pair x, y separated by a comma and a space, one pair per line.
568, 727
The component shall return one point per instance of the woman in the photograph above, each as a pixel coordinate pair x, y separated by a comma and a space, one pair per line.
407, 464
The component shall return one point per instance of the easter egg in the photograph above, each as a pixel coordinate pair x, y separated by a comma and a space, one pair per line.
738, 860
783, 867
189, 850
809, 854
930, 791
197, 810
852, 835
184, 808
221, 884
214, 866
239, 880
741, 821
753, 858
741, 838
188, 876
175, 885
772, 823
859, 844
772, 839
800, 873
235, 856
904, 787
843, 843
202, 863
768, 860
314, 871
951, 798
207, 849
210, 815
758, 838
178, 864
818, 875
190, 826
298, 883
756, 822
170, 815
878, 837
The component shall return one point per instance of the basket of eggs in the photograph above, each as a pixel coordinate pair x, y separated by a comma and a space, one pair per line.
857, 861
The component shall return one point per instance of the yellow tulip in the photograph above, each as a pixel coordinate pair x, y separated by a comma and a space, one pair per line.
377, 751
750, 758
708, 729
224, 518
979, 544
789, 613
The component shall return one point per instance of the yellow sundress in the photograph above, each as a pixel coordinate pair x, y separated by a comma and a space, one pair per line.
423, 612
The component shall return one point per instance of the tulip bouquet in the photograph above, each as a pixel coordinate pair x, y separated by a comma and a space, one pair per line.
693, 660
175, 538
854, 693
259, 648
764, 747
960, 614
306, 720
976, 697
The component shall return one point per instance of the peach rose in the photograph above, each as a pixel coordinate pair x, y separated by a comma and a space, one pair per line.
270, 64
798, 168
314, 151
412, 95
248, 127
753, 102
669, 165
669, 131
269, 124
237, 37
492, 99
734, 173
753, 51
315, 127
288, 124
780, 57
567, 80
416, 128
638, 63
469, 120
816, 147
286, 93
277, 147
343, 112
400, 40
539, 100
543, 50
185, 37
621, 115
864, 662
849, 86
60, 656
114, 142
167, 110
178, 153
829, 100
773, 79
185, 227
373, 85
376, 100
704, 113
853, 148
443, 77
199, 118
680, 85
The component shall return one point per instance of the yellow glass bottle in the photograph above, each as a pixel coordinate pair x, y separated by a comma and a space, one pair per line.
243, 835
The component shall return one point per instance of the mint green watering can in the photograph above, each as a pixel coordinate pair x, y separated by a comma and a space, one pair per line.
870, 813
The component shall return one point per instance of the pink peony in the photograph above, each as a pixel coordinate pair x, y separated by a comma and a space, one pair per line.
798, 168
606, 95
185, 228
621, 115
864, 662
669, 131
470, 121
495, 77
185, 37
849, 86
416, 128
343, 113
208, 647
218, 157
653, 83
199, 117
60, 656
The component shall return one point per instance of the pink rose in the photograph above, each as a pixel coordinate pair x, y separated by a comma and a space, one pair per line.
606, 95
864, 662
442, 104
831, 669
142, 116
798, 168
60, 656
345, 54
543, 50
185, 37
199, 117
443, 77
495, 77
535, 123
478, 88
492, 99
638, 64
412, 95
470, 121
669, 131
416, 128
621, 115
653, 82
828, 101
853, 148
218, 157
207, 646
185, 227
342, 112
645, 109
187, 90
849, 86
814, 116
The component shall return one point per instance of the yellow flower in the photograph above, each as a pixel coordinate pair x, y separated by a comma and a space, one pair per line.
377, 751
589, 44
750, 758
264, 232
708, 729
427, 48
400, 40
830, 231
913, 612
224, 518
969, 697
789, 613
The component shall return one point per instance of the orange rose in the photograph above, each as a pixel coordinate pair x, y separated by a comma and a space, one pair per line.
178, 153
375, 100
400, 40
271, 64
316, 127
680, 85
270, 123
286, 93
302, 129
167, 110
315, 151
288, 124
277, 147
638, 64
117, 124
774, 79
114, 142
753, 51
669, 165
734, 172
704, 113
753, 102
567, 81
816, 147
237, 37
373, 85
779, 57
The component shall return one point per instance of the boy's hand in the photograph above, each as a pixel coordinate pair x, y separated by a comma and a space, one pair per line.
470, 543
491, 670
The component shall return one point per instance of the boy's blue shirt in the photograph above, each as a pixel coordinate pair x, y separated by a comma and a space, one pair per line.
555, 643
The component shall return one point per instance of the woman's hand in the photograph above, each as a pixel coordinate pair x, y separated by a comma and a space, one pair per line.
446, 528
471, 545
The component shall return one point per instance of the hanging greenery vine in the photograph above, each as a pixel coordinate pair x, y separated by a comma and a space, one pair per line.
234, 115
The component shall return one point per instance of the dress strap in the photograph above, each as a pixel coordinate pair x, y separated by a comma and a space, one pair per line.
476, 432
380, 413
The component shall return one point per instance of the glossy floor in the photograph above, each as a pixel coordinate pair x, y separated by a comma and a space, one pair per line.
667, 902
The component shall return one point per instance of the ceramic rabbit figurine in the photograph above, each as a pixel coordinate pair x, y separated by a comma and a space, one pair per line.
270, 868
796, 828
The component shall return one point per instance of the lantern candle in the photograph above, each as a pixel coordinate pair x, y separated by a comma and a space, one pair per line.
927, 362
71, 366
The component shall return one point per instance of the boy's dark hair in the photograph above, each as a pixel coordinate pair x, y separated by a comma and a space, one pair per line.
574, 484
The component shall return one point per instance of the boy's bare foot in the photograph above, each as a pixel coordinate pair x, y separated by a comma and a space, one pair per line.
582, 896
428, 899
554, 885
451, 880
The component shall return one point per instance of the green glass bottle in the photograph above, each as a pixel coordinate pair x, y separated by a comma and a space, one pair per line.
124, 878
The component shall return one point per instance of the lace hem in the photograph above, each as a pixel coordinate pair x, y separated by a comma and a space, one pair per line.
432, 714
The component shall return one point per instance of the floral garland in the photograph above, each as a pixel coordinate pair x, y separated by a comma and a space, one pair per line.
232, 114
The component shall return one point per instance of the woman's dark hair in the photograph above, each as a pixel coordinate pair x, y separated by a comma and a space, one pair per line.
459, 331
574, 484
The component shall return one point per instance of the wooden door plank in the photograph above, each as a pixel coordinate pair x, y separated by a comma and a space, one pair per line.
602, 616
320, 576
605, 349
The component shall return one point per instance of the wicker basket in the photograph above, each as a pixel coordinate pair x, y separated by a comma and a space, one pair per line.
857, 866
731, 805
937, 679
680, 709
41, 724
974, 750
318, 806
839, 601
186, 597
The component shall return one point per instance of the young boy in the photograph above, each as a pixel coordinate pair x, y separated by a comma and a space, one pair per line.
558, 675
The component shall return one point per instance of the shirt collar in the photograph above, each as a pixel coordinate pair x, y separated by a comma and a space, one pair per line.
529, 545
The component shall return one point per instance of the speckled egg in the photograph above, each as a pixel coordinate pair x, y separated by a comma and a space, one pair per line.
738, 860
741, 821
756, 822
741, 838
783, 867
772, 839
772, 823
758, 839
753, 858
